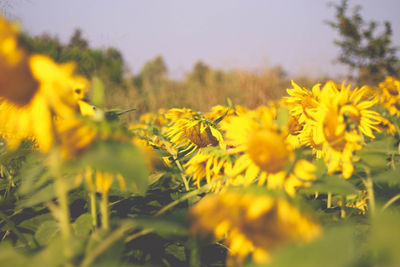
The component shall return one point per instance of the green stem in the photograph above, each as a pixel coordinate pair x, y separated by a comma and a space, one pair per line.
369, 185
182, 175
61, 188
93, 208
175, 157
342, 208
138, 234
329, 201
12, 228
183, 198
391, 201
105, 244
62, 194
105, 224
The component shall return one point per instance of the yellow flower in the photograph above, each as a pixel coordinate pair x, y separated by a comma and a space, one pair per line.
390, 87
263, 153
219, 111
54, 98
302, 103
17, 83
251, 224
302, 176
154, 118
210, 165
268, 150
191, 129
75, 136
390, 98
85, 108
295, 129
340, 124
152, 158
99, 181
357, 201
386, 126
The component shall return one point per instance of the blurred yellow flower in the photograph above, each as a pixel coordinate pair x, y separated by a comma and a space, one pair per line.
17, 83
251, 224
53, 99
390, 98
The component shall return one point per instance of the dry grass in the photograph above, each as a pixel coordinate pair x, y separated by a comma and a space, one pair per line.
242, 87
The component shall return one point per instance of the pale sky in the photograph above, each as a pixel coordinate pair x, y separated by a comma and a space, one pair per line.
227, 34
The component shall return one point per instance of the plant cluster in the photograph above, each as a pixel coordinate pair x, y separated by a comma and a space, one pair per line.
309, 180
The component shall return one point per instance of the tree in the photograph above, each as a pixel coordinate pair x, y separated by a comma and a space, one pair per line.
369, 54
152, 73
199, 73
77, 40
107, 64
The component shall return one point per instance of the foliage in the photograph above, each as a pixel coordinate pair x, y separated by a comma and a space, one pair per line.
107, 64
371, 54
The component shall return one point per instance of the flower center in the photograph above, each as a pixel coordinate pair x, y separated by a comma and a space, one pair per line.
201, 139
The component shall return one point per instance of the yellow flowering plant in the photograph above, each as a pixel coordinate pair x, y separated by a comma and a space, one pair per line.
303, 180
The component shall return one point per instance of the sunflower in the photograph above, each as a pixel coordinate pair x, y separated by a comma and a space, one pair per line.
17, 84
390, 95
340, 124
192, 130
251, 224
211, 165
263, 152
53, 98
301, 102
157, 119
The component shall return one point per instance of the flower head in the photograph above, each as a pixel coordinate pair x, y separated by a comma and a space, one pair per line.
191, 129
251, 224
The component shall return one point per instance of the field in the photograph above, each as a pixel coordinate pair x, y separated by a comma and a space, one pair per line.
219, 169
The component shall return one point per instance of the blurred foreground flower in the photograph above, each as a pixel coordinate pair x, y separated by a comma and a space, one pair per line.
53, 99
17, 84
251, 224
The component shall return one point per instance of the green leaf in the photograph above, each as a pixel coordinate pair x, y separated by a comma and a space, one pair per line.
388, 177
97, 92
34, 175
118, 158
51, 255
46, 232
11, 257
113, 114
83, 225
33, 224
385, 145
321, 167
385, 236
155, 177
335, 248
282, 118
332, 184
42, 195
176, 251
375, 160
171, 225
